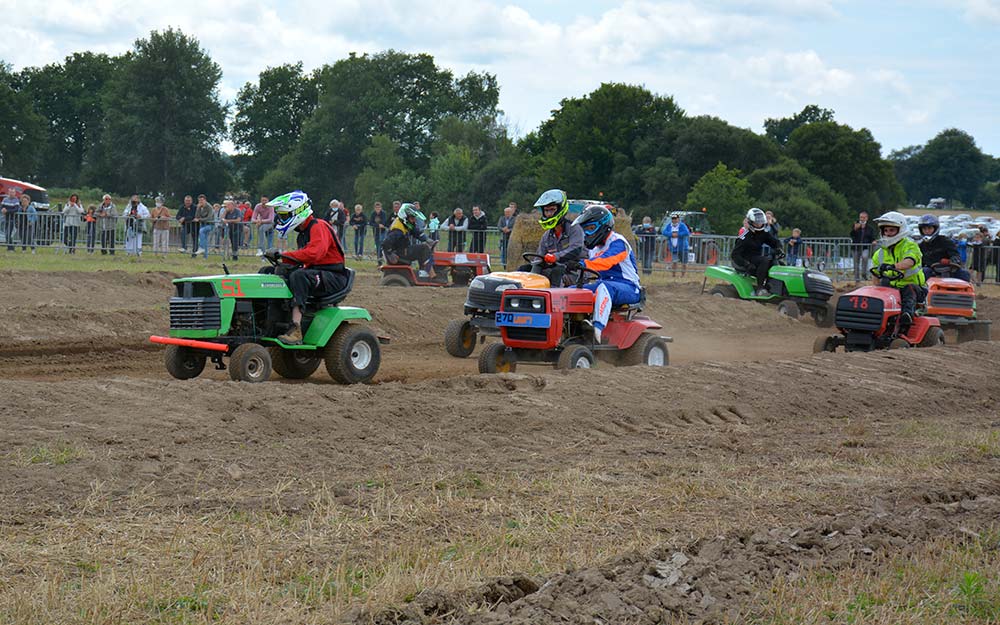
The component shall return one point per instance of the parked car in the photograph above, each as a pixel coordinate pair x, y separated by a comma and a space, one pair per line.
38, 194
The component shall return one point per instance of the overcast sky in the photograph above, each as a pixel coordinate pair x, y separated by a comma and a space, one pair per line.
905, 70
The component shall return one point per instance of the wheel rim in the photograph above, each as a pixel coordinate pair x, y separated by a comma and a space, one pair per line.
582, 362
468, 338
255, 367
719, 295
361, 355
655, 357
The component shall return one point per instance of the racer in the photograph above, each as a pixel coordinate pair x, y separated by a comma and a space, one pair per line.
900, 252
405, 241
937, 249
316, 268
611, 255
748, 254
561, 245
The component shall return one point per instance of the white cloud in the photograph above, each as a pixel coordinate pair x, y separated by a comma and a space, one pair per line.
793, 74
977, 10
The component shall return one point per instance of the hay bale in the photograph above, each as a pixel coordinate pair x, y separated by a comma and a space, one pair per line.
527, 233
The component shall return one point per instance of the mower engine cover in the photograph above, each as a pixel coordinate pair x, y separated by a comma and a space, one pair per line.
485, 292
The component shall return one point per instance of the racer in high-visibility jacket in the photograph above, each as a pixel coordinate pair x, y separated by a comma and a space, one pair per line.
898, 250
611, 255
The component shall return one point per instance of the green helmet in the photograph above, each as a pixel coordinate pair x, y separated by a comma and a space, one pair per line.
290, 210
409, 210
552, 196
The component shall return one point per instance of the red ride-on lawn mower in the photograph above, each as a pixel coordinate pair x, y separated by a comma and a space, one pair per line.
868, 319
552, 326
953, 302
452, 269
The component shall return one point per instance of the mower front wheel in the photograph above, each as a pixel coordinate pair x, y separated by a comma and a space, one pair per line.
460, 338
899, 343
294, 364
576, 357
353, 355
823, 317
496, 359
724, 290
649, 350
394, 279
824, 344
183, 363
250, 362
789, 309
933, 337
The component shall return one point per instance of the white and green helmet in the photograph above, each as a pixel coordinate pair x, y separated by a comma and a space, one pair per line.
290, 210
409, 210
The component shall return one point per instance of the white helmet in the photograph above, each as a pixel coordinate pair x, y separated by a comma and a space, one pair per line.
756, 219
892, 218
290, 210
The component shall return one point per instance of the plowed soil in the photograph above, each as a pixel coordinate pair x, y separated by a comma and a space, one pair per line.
631, 495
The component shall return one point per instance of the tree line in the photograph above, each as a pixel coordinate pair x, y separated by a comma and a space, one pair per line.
394, 125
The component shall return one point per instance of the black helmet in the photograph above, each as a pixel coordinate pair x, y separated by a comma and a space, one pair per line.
597, 222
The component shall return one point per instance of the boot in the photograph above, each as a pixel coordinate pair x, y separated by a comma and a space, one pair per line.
293, 336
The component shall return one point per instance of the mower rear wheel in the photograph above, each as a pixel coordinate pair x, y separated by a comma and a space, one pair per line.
496, 359
649, 350
724, 290
823, 317
576, 357
294, 364
898, 343
183, 363
353, 355
933, 337
250, 362
824, 344
788, 308
393, 279
460, 338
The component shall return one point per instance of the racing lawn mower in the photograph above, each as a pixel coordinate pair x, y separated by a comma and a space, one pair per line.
461, 267
238, 317
552, 326
953, 302
795, 290
869, 319
481, 305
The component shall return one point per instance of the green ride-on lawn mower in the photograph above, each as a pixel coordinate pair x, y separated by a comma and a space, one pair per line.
794, 290
239, 317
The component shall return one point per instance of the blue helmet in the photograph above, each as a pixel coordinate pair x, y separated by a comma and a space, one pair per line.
597, 223
929, 220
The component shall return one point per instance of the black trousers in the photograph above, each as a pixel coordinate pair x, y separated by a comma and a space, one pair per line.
314, 282
555, 273
108, 241
908, 296
758, 266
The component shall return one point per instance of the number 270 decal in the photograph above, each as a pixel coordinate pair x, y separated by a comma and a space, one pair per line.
231, 288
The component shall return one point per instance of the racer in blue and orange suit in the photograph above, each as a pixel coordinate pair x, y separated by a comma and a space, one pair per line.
611, 255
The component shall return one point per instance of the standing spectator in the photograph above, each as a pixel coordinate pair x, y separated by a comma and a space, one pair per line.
395, 208
772, 224
978, 266
478, 223
506, 225
962, 244
185, 217
862, 237
995, 252
107, 219
28, 219
359, 223
247, 238
377, 221
161, 227
136, 215
90, 219
793, 248
263, 216
219, 232
456, 225
203, 218
232, 219
72, 213
10, 207
433, 226
677, 234
337, 218
646, 234
513, 208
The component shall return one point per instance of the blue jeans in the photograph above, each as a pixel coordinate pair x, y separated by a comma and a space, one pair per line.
203, 233
265, 234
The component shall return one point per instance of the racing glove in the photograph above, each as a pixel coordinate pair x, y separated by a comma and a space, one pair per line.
550, 258
273, 255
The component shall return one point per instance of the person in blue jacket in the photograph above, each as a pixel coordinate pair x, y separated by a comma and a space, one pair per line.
677, 234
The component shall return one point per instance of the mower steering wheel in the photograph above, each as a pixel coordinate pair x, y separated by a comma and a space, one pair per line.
887, 272
941, 269
584, 275
528, 256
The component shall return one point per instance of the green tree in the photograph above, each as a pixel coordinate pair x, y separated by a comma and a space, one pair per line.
850, 161
268, 118
24, 129
952, 166
800, 199
725, 193
69, 96
451, 177
164, 118
904, 165
384, 162
781, 129
697, 144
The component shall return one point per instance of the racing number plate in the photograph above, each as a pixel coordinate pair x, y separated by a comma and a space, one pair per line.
523, 320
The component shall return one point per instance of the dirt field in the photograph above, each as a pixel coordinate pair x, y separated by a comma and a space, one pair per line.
731, 486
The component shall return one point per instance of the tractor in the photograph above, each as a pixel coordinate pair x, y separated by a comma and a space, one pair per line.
452, 269
953, 302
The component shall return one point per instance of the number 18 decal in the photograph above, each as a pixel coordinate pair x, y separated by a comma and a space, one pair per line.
859, 302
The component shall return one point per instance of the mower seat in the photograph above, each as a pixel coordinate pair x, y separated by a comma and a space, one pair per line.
630, 309
333, 298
